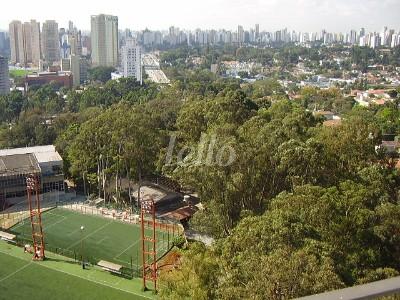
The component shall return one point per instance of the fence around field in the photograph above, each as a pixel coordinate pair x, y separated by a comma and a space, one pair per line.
8, 220
167, 231
20, 211
127, 272
11, 218
131, 269
166, 225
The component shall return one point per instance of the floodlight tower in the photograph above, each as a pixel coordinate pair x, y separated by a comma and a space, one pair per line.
149, 255
33, 190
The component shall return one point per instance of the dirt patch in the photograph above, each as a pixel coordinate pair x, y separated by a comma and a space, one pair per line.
170, 261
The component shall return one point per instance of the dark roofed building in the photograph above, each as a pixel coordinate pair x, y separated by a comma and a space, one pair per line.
60, 79
181, 214
16, 164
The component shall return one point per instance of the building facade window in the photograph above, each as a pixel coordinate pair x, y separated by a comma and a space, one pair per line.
53, 186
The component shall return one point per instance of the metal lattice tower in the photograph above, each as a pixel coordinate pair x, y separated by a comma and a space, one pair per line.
149, 249
33, 189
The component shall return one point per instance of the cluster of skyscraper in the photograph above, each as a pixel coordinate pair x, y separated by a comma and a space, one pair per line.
175, 36
31, 46
49, 47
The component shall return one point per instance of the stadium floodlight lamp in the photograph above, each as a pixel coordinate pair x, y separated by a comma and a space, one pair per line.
147, 206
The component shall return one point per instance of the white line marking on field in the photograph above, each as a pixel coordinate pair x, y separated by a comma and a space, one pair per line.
90, 234
102, 240
118, 282
118, 255
73, 232
82, 277
53, 214
15, 272
55, 223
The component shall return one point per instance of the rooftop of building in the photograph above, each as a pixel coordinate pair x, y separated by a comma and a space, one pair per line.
18, 164
45, 74
41, 153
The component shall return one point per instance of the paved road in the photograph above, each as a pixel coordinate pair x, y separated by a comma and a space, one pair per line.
152, 68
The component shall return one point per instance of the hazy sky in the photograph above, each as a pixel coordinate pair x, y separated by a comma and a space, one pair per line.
304, 15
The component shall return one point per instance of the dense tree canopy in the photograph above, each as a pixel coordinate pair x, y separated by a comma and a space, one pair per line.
102, 74
295, 207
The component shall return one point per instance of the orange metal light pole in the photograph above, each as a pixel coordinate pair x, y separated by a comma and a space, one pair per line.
148, 208
154, 247
32, 186
39, 215
143, 249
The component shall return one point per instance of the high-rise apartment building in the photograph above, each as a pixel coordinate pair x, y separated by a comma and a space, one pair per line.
4, 79
70, 26
83, 69
4, 44
16, 42
131, 60
2, 40
50, 42
257, 32
35, 42
104, 40
240, 35
75, 70
25, 42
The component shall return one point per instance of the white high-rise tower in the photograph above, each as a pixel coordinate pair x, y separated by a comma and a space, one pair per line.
131, 60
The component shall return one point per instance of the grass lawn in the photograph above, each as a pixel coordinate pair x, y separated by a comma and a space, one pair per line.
103, 238
58, 278
19, 73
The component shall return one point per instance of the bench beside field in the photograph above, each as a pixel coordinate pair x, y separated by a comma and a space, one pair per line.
110, 267
8, 237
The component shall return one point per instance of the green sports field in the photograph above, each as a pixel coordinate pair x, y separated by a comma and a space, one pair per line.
19, 73
103, 238
57, 278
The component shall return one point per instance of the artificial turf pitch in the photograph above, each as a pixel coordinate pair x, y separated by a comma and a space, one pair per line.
57, 278
103, 238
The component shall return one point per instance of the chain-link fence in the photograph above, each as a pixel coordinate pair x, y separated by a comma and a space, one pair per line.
166, 225
166, 235
8, 220
130, 270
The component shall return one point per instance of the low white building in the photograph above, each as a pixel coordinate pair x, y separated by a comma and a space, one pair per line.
366, 98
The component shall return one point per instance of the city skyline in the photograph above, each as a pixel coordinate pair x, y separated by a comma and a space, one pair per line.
334, 16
